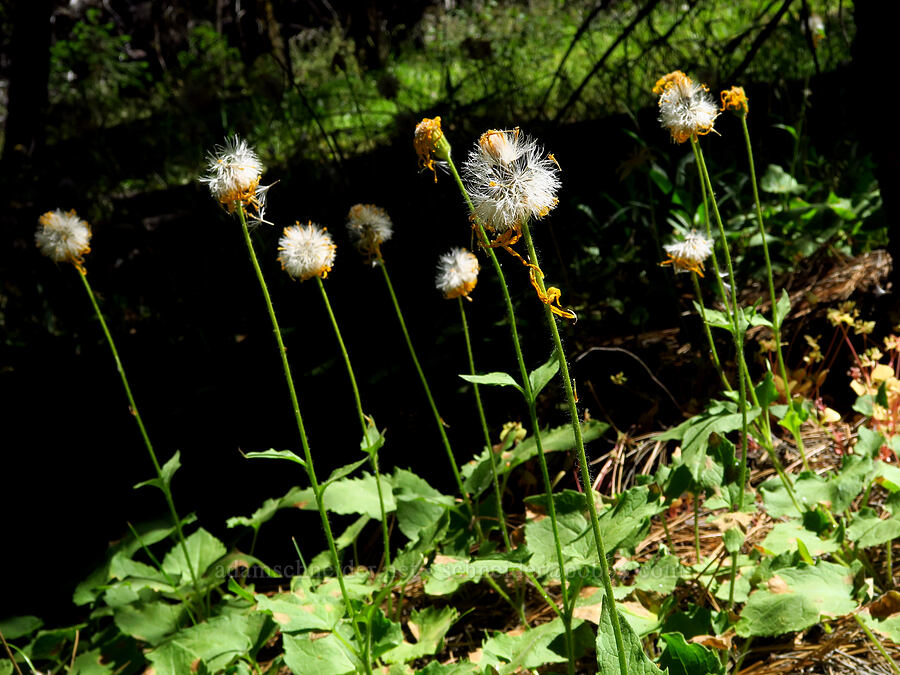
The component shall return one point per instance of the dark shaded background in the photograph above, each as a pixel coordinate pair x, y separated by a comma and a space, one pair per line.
184, 306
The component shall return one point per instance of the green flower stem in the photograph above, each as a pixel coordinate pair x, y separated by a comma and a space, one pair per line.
776, 319
535, 426
503, 594
434, 411
735, 323
163, 485
877, 643
373, 457
582, 458
709, 337
484, 427
697, 526
307, 455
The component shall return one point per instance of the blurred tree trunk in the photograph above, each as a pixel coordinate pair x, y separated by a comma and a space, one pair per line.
29, 75
872, 60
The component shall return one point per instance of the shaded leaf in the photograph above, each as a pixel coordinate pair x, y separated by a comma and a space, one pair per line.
683, 658
540, 376
636, 660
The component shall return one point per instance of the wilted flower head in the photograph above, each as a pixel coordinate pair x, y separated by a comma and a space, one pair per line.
233, 173
735, 99
688, 254
457, 273
685, 109
510, 180
431, 144
369, 227
63, 237
307, 251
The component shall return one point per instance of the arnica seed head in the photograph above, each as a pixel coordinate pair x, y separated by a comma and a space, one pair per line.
431, 145
510, 180
688, 254
233, 173
735, 99
369, 227
457, 273
685, 109
307, 251
63, 237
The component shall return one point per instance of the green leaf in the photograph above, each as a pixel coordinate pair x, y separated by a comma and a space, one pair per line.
607, 652
346, 496
785, 536
151, 621
867, 529
788, 128
383, 633
203, 550
373, 439
510, 652
447, 575
766, 392
782, 307
624, 526
865, 405
659, 575
220, 640
316, 655
881, 397
269, 508
92, 662
540, 376
19, 626
499, 379
797, 597
302, 609
343, 471
683, 658
888, 627
869, 443
719, 418
276, 454
477, 473
173, 659
841, 206
168, 470
733, 539
794, 417
777, 181
429, 627
419, 506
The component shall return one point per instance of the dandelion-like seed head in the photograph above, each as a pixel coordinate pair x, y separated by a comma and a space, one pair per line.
457, 273
233, 174
510, 180
307, 251
369, 227
688, 254
431, 145
63, 237
735, 99
686, 109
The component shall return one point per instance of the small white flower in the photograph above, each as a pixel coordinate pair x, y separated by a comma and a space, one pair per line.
63, 237
689, 253
307, 251
510, 180
685, 109
369, 227
457, 273
233, 173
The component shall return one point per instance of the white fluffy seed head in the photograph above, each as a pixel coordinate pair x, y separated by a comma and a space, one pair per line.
510, 180
307, 251
369, 227
457, 273
689, 254
686, 109
233, 173
63, 237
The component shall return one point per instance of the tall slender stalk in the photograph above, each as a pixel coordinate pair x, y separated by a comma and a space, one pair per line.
776, 317
304, 442
163, 484
373, 457
709, 338
582, 457
501, 518
434, 411
535, 426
